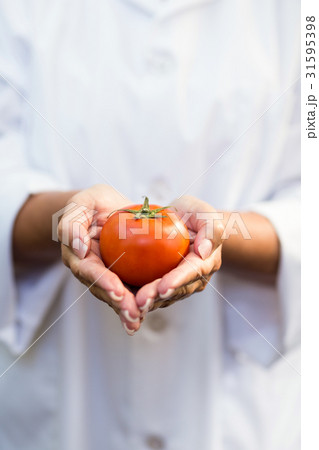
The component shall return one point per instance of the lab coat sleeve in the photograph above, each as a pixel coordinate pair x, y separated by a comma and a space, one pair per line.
263, 314
283, 211
270, 308
24, 303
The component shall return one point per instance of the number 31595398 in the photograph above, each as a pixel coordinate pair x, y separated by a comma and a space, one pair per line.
310, 46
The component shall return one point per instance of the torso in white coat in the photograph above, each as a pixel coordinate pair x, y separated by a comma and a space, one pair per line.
146, 96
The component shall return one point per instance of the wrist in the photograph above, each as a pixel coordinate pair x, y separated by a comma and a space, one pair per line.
32, 231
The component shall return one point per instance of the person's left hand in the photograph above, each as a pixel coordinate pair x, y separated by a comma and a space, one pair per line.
194, 271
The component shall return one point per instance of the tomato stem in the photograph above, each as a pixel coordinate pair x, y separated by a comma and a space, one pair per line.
146, 205
145, 212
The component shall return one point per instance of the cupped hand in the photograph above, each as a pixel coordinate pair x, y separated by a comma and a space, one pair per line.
194, 271
79, 231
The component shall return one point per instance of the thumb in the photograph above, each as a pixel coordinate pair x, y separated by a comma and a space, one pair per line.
73, 229
205, 221
209, 233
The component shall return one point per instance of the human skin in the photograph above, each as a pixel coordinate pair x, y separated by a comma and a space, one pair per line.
32, 243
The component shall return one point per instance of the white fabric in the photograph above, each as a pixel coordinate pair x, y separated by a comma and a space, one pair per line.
151, 94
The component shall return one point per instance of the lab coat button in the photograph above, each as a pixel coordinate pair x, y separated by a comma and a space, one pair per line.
241, 357
155, 442
159, 61
157, 322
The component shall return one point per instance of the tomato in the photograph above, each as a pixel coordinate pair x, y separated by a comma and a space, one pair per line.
143, 242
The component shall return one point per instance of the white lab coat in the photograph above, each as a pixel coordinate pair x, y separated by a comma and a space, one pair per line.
146, 95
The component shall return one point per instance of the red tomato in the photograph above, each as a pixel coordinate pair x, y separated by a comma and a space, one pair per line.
150, 239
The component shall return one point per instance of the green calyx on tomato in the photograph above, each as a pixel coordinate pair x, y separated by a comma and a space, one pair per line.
145, 212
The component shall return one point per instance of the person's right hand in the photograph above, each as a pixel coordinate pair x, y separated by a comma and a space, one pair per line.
79, 233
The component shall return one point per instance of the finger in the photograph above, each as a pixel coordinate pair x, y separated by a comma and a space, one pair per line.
106, 286
73, 230
205, 221
129, 313
94, 232
181, 293
209, 237
190, 269
146, 295
91, 270
100, 294
192, 235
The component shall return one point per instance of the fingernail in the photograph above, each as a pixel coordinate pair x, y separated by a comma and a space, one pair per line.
79, 248
129, 332
205, 248
116, 298
145, 308
128, 317
167, 294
